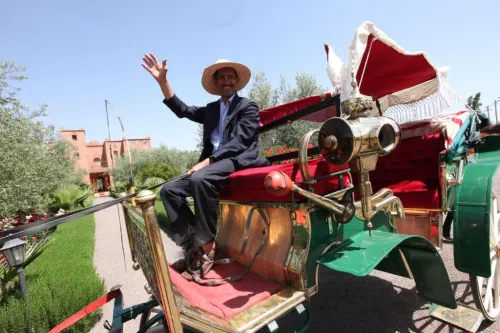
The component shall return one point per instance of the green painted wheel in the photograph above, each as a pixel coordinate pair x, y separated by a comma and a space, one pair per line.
486, 291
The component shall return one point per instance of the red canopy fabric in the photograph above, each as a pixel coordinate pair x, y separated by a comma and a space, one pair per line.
272, 114
389, 71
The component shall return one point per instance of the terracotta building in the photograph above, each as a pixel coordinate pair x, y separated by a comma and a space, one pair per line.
95, 157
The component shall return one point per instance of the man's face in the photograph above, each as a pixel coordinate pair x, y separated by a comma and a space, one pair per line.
226, 80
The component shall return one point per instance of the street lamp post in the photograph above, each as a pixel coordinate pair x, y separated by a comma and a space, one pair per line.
15, 253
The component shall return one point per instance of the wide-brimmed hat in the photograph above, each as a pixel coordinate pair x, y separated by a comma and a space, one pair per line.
207, 80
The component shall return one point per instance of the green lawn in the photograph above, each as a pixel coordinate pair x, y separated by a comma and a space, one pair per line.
61, 281
160, 212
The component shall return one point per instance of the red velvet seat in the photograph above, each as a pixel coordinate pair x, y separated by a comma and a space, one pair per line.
412, 171
248, 184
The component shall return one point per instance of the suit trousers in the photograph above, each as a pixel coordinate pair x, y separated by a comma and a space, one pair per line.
204, 186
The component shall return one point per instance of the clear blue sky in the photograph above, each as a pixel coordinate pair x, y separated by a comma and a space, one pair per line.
79, 53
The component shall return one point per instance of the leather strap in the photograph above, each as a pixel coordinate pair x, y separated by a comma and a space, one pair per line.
263, 242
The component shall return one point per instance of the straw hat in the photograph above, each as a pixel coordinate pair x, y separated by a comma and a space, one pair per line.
207, 80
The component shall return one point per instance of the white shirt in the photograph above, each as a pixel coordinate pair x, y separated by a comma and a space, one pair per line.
216, 136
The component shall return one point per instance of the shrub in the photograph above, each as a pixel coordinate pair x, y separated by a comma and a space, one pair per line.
60, 282
70, 197
283, 149
156, 169
178, 160
34, 243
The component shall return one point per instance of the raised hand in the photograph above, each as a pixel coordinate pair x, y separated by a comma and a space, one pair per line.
153, 66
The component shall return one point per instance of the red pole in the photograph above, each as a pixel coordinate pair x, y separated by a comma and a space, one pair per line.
86, 311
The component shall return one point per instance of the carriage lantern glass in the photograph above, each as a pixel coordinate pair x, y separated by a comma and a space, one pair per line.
15, 253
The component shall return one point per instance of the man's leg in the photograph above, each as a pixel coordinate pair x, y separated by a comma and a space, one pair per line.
173, 195
205, 185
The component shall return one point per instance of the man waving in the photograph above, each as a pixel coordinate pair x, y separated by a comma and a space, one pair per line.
230, 139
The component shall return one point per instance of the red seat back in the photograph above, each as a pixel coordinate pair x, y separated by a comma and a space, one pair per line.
412, 171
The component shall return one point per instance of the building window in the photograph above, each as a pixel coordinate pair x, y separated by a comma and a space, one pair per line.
74, 137
97, 159
115, 153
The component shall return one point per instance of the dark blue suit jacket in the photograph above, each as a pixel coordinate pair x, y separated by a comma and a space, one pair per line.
240, 131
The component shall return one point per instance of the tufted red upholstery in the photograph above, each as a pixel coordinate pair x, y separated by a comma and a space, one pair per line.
412, 171
248, 184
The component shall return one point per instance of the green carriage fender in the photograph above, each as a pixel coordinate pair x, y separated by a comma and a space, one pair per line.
471, 221
406, 255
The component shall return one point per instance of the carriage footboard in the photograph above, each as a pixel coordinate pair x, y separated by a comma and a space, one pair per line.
247, 305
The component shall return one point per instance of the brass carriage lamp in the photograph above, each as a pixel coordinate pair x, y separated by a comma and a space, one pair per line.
15, 253
359, 138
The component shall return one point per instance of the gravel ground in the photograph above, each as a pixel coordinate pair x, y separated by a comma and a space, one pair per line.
379, 302
383, 302
109, 264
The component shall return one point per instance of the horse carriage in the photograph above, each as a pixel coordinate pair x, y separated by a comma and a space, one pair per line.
362, 192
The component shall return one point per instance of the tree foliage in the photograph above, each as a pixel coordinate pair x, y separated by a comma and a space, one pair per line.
262, 92
474, 101
34, 161
161, 162
199, 133
156, 169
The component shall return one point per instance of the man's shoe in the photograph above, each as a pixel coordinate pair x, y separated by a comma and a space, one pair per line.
198, 263
180, 265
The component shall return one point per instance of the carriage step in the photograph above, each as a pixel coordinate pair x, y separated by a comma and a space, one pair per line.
463, 316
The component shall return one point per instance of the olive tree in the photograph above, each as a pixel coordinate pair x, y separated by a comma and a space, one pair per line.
262, 92
34, 160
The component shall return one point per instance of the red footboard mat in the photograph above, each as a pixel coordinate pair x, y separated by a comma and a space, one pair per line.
230, 298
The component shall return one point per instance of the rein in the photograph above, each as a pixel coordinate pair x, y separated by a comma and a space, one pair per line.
39, 226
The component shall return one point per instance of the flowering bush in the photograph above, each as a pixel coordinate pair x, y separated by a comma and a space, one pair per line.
33, 242
283, 149
10, 222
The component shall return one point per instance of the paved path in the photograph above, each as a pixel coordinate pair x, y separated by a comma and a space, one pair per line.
110, 265
379, 302
383, 303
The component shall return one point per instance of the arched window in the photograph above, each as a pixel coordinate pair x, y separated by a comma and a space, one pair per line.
97, 159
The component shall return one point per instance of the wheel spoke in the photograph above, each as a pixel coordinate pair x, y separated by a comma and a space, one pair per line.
493, 223
496, 216
486, 291
496, 285
489, 285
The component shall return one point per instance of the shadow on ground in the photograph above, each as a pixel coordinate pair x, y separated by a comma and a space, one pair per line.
346, 303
